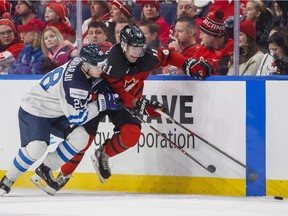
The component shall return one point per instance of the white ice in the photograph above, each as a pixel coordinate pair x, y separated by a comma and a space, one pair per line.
34, 202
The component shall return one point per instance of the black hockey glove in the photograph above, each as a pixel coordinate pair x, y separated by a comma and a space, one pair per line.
197, 68
108, 101
147, 107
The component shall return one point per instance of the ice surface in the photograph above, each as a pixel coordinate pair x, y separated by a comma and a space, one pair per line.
34, 202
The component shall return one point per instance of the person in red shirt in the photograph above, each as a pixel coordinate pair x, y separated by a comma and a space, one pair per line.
216, 48
184, 41
189, 9
56, 15
10, 45
150, 11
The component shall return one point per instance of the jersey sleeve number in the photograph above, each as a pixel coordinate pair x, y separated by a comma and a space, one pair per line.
51, 78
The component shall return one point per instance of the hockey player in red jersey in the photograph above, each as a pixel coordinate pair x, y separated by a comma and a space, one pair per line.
128, 64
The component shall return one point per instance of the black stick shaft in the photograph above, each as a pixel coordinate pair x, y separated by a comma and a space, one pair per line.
170, 141
205, 141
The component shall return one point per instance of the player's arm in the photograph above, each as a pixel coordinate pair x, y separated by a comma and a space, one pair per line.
192, 67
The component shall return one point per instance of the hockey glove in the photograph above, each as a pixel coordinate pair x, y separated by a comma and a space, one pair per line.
197, 68
147, 107
108, 101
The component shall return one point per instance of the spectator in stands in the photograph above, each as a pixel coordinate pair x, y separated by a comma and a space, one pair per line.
279, 9
25, 10
56, 15
56, 50
31, 57
151, 31
250, 54
185, 36
262, 17
276, 61
120, 24
187, 8
216, 47
119, 10
278, 28
97, 34
184, 41
100, 10
150, 11
10, 44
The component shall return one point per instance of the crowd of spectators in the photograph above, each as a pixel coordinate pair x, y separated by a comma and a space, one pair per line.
37, 36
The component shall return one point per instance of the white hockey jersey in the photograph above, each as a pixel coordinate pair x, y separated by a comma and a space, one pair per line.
63, 91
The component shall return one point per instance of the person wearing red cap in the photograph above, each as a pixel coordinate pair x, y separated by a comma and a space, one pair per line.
150, 11
120, 10
56, 15
10, 44
31, 57
216, 47
250, 55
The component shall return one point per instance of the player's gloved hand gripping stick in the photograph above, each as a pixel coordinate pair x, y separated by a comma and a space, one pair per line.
147, 107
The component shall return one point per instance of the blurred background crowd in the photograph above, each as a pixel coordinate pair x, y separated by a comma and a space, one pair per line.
38, 36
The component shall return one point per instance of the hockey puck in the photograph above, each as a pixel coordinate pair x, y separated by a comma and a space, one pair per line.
278, 197
252, 177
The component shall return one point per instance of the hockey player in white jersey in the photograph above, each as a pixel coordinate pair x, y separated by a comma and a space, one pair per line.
59, 102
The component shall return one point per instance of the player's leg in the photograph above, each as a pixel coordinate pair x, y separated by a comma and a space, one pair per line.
127, 137
69, 167
66, 150
34, 132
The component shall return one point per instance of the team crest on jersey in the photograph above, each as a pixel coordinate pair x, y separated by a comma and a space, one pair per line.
129, 84
78, 93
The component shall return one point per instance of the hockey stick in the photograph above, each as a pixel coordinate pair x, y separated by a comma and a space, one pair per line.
252, 176
210, 168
